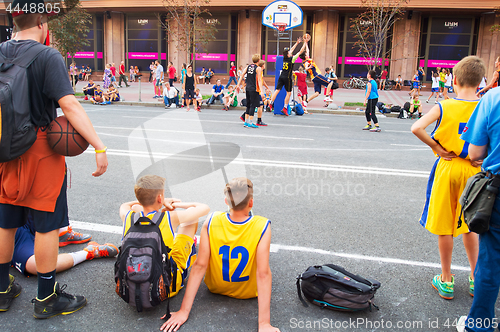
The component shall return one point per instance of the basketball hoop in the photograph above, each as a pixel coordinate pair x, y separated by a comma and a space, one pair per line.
280, 26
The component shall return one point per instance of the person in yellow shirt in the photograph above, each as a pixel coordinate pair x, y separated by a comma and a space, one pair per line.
450, 172
150, 193
233, 257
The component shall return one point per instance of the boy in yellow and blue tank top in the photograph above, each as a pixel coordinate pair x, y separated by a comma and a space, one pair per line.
451, 171
178, 228
233, 256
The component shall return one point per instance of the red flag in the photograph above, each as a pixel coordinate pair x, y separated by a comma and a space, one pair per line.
47, 40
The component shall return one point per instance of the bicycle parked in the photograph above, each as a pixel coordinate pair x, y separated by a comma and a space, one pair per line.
354, 83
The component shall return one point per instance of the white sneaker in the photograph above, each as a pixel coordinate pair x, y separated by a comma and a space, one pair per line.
304, 103
328, 99
461, 324
436, 102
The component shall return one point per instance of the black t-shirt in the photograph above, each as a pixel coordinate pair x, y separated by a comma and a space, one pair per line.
287, 67
47, 78
252, 77
189, 82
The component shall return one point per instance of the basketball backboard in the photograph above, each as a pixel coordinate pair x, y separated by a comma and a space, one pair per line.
282, 11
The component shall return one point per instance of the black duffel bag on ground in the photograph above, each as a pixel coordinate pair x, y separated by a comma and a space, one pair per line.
332, 287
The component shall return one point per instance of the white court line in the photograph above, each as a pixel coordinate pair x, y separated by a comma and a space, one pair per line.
420, 148
277, 247
277, 163
219, 121
415, 146
398, 131
206, 133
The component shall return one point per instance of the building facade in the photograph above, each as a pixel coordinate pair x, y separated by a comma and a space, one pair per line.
431, 33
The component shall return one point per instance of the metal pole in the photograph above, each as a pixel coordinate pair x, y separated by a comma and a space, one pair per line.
140, 89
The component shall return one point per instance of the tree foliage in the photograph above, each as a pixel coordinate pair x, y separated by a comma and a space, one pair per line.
373, 27
70, 28
496, 27
190, 24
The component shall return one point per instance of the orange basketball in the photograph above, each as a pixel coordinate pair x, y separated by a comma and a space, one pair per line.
306, 37
64, 139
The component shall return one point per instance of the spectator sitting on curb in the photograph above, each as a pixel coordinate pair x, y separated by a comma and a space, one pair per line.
89, 90
202, 75
399, 82
198, 97
217, 93
208, 75
170, 96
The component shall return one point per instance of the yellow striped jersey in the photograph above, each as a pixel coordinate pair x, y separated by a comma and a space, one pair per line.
233, 249
314, 70
454, 116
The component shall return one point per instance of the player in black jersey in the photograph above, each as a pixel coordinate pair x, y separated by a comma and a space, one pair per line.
286, 77
253, 86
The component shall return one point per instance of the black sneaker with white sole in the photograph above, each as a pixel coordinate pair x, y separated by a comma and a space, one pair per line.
58, 303
10, 294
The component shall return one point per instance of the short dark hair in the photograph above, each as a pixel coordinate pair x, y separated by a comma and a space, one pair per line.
302, 56
285, 51
372, 73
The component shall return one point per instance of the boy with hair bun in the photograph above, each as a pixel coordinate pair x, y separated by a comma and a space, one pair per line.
451, 171
225, 237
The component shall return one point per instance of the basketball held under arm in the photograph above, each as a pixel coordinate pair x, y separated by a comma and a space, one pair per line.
76, 115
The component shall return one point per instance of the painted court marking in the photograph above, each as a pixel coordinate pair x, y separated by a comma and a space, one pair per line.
277, 247
283, 164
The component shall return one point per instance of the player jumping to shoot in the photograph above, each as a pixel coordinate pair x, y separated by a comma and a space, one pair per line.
315, 74
285, 79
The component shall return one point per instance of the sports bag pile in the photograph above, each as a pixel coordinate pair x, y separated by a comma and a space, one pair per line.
332, 287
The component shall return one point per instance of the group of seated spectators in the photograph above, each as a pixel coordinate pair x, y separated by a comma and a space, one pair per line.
205, 76
135, 73
93, 92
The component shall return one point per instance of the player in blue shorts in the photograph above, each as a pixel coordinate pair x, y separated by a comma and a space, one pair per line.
315, 74
24, 249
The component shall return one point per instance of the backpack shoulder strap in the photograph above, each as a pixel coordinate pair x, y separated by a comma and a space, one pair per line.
299, 291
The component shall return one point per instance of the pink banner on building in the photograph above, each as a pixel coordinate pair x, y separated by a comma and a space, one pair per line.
83, 55
441, 63
143, 55
421, 63
211, 56
233, 57
360, 61
99, 55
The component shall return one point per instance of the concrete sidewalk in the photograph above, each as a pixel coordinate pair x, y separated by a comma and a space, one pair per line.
130, 96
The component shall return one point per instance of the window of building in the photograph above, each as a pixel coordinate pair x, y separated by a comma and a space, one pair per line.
91, 55
146, 41
445, 41
350, 63
218, 54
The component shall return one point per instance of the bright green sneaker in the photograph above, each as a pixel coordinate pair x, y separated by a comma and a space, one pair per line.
445, 289
471, 287
367, 127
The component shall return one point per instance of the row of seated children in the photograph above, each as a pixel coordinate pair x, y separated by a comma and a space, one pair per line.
223, 235
99, 96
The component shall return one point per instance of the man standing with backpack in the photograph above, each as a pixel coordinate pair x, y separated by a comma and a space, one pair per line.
38, 188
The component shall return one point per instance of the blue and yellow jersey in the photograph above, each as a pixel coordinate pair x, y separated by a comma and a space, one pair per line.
117, 96
233, 249
454, 116
165, 225
98, 93
313, 70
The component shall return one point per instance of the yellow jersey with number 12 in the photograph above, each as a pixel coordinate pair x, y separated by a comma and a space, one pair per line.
233, 249
454, 116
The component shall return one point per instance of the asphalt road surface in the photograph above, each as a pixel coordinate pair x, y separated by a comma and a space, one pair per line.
334, 193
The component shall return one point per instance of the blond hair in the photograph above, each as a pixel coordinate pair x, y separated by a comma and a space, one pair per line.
255, 58
469, 71
238, 193
147, 188
261, 63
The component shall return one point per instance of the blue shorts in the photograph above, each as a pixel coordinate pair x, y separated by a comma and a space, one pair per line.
415, 85
24, 248
319, 81
435, 90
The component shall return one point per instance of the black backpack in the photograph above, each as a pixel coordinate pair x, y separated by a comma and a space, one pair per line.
332, 287
243, 102
18, 132
143, 269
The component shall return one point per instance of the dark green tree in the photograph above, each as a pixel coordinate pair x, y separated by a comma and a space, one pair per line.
70, 27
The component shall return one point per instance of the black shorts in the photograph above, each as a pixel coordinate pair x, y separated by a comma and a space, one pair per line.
253, 101
284, 82
189, 94
13, 216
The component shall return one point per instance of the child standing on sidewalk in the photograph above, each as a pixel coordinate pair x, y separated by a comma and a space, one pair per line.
451, 171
